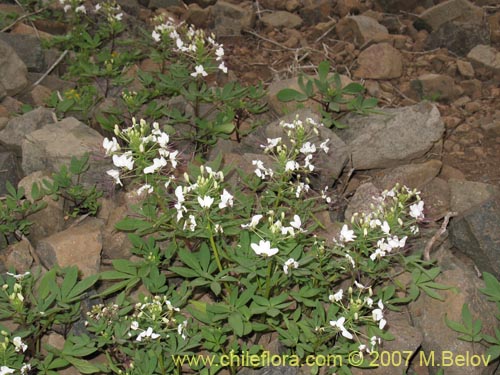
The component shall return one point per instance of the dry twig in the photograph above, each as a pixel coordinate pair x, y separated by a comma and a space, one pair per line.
438, 234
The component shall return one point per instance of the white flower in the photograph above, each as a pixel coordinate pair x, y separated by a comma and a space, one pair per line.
385, 227
296, 223
18, 276
191, 221
378, 315
97, 7
368, 301
219, 52
253, 222
81, 9
337, 296
173, 158
181, 328
339, 323
199, 70
158, 163
264, 248
66, 8
308, 148
307, 162
271, 143
134, 325
147, 333
290, 263
156, 36
163, 139
350, 259
375, 223
291, 165
395, 242
25, 368
323, 146
359, 285
179, 193
206, 201
414, 229
377, 254
145, 187
6, 370
124, 161
346, 235
19, 344
223, 67
374, 340
226, 199
116, 175
417, 210
118, 17
110, 145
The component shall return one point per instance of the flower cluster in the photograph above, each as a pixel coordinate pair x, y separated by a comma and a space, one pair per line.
149, 152
386, 227
193, 43
11, 350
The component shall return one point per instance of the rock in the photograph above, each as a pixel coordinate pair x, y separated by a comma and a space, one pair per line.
48, 221
466, 195
415, 176
459, 37
329, 166
281, 19
18, 127
13, 71
51, 82
345, 7
389, 62
316, 11
80, 245
198, 16
23, 29
53, 146
436, 195
359, 29
362, 200
452, 10
407, 339
28, 48
472, 88
439, 87
393, 138
230, 19
449, 173
494, 22
10, 170
429, 315
465, 69
486, 57
394, 6
18, 256
115, 243
475, 233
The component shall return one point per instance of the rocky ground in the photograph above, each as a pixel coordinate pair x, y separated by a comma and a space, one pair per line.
433, 65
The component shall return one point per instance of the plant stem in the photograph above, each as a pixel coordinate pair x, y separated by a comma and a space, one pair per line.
214, 249
268, 278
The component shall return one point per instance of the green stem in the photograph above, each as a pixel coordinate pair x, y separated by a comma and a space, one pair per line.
214, 249
268, 278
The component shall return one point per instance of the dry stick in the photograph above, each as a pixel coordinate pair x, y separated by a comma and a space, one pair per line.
403, 95
438, 234
30, 21
325, 34
22, 18
65, 52
268, 40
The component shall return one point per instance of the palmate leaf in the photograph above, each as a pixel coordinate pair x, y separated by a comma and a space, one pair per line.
288, 95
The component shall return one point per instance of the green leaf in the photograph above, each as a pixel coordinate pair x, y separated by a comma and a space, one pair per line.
323, 70
225, 128
353, 88
83, 286
493, 353
288, 95
132, 224
83, 366
236, 322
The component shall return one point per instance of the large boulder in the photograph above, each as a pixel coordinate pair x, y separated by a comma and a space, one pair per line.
55, 144
28, 48
360, 29
395, 137
389, 62
13, 71
452, 10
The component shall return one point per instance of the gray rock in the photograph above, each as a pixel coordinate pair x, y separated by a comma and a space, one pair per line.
393, 138
53, 146
363, 198
452, 10
18, 256
468, 194
18, 127
476, 234
230, 19
359, 29
10, 170
436, 195
429, 314
486, 57
80, 245
13, 71
459, 37
316, 11
282, 19
415, 176
28, 48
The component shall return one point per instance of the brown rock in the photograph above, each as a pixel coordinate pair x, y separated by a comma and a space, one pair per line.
436, 87
411, 175
362, 200
380, 61
436, 195
465, 69
345, 7
465, 195
18, 256
315, 11
281, 19
39, 95
472, 88
448, 173
452, 10
486, 57
22, 29
80, 245
359, 29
